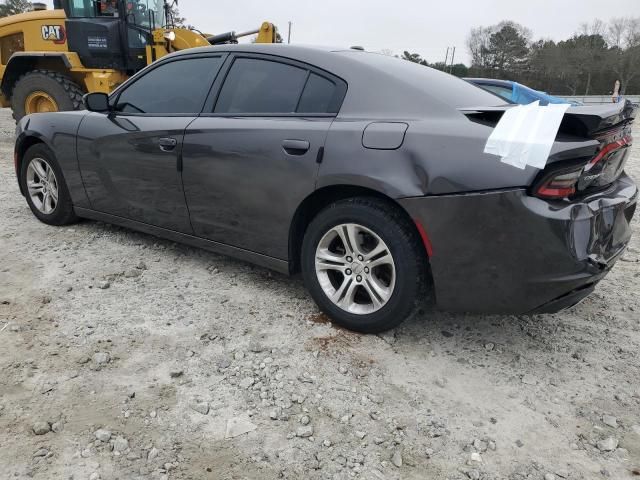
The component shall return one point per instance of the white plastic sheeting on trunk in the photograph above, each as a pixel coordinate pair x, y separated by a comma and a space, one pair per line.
525, 134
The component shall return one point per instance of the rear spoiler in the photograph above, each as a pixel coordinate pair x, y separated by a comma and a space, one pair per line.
582, 121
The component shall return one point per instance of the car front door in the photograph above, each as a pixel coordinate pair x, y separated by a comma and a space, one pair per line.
250, 161
130, 157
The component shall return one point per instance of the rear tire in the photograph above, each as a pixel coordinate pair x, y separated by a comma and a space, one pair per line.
44, 90
339, 279
43, 183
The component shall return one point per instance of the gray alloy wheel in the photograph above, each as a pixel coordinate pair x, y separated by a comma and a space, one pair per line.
42, 185
355, 268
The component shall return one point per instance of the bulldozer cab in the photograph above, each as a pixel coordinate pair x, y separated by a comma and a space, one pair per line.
112, 34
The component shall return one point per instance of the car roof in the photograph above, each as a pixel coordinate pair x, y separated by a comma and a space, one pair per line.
408, 90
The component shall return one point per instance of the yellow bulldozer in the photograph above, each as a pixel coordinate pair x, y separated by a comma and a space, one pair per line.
50, 58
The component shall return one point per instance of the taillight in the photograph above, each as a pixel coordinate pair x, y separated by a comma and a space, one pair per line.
584, 174
607, 150
559, 185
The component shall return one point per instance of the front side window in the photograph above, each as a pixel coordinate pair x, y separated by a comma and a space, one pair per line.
178, 87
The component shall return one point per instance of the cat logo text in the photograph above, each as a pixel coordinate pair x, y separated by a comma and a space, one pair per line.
55, 33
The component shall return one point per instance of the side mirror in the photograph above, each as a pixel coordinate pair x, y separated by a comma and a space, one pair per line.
96, 102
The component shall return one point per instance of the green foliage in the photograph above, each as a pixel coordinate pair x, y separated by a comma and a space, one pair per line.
459, 69
586, 63
176, 19
413, 57
13, 7
507, 48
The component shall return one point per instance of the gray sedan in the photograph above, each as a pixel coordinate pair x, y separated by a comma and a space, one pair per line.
365, 173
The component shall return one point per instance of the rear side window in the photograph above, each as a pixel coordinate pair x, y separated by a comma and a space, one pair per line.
178, 87
261, 86
319, 96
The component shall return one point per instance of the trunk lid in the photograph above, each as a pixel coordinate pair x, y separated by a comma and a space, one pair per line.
608, 124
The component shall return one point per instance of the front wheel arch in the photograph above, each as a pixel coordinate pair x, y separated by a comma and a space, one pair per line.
23, 144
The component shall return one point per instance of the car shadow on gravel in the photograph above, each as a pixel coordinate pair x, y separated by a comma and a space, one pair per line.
464, 332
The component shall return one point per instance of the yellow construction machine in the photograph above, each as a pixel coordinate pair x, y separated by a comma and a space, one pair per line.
51, 58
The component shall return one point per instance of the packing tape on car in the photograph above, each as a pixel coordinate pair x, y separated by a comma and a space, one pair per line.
525, 134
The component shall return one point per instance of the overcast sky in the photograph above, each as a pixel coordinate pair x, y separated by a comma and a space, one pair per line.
426, 27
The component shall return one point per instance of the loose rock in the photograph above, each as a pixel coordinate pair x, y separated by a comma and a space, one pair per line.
199, 406
101, 358
608, 444
246, 382
42, 452
102, 435
133, 273
120, 444
610, 421
238, 426
396, 458
153, 453
304, 431
41, 428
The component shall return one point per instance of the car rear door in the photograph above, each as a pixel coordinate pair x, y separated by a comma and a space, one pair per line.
250, 161
129, 158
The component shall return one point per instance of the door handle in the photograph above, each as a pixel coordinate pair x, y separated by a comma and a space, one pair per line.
295, 147
167, 144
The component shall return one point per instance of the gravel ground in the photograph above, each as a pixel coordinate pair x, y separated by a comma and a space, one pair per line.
123, 356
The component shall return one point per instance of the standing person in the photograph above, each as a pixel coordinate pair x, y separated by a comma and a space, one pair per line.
617, 88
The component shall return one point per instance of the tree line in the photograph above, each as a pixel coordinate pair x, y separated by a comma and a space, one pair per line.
13, 7
587, 63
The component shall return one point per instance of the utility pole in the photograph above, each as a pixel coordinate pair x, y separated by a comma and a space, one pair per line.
289, 35
453, 54
446, 57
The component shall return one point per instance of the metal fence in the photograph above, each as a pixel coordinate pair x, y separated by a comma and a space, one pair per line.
590, 99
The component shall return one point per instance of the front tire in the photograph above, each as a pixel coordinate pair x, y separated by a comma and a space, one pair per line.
44, 186
363, 264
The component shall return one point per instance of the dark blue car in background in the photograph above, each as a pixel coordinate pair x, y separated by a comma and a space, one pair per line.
514, 92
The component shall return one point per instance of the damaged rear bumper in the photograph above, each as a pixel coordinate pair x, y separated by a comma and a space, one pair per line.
508, 252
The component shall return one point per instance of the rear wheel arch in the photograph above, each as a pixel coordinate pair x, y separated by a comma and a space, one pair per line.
325, 196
